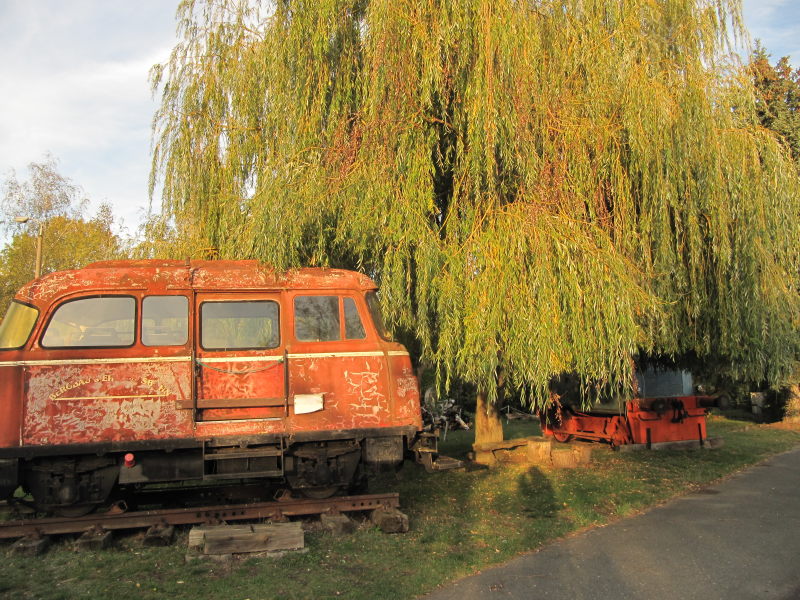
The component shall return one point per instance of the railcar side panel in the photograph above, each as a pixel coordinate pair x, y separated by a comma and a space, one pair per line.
240, 387
352, 388
405, 387
111, 400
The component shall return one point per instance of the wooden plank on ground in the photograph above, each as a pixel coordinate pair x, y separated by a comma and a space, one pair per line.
232, 539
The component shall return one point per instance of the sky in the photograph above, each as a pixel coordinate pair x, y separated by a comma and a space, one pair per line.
74, 81
74, 84
777, 24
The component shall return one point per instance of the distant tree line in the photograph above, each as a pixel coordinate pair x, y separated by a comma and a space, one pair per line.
71, 235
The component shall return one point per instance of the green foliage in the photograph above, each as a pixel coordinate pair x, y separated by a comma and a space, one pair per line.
538, 187
158, 238
777, 97
70, 238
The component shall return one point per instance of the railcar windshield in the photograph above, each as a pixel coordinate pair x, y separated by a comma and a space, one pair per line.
17, 326
97, 322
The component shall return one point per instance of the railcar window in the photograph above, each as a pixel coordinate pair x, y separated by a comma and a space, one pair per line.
100, 322
374, 306
316, 318
249, 325
17, 325
165, 320
353, 327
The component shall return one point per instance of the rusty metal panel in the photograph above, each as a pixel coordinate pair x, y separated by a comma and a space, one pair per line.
79, 402
234, 388
644, 422
406, 388
680, 419
354, 388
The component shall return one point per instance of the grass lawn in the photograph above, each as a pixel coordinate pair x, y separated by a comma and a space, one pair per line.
460, 523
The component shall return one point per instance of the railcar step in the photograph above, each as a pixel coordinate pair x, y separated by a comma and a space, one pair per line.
246, 475
257, 453
445, 463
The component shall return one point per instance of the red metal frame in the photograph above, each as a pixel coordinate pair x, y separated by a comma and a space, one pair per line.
642, 421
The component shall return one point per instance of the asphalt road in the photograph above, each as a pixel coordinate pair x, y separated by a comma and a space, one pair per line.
739, 539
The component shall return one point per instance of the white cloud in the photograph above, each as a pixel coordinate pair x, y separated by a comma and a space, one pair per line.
76, 86
777, 24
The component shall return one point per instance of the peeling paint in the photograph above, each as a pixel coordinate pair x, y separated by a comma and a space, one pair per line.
89, 403
147, 394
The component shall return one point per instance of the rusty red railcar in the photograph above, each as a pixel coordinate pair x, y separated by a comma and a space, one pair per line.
135, 372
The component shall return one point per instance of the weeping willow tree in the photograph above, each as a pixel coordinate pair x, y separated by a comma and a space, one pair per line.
539, 187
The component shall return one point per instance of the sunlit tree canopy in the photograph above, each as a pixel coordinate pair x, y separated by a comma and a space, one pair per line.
539, 187
58, 209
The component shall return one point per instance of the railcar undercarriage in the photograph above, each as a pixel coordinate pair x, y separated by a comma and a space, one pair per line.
76, 485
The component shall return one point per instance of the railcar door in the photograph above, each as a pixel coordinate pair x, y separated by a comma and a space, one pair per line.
240, 361
339, 371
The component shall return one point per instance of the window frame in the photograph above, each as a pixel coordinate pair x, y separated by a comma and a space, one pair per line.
199, 341
55, 310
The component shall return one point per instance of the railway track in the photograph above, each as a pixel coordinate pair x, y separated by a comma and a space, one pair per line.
275, 510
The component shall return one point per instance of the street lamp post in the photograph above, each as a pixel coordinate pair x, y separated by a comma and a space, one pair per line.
37, 270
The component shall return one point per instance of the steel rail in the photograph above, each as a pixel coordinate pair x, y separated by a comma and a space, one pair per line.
275, 510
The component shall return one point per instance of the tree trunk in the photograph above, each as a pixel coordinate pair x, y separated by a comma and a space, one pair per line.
488, 427
792, 414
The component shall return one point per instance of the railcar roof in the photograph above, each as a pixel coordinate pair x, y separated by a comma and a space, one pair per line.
160, 276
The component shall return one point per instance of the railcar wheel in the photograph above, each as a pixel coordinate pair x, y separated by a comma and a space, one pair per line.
321, 469
70, 487
562, 437
71, 512
319, 493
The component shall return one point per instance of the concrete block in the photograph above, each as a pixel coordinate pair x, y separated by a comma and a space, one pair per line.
538, 451
337, 524
159, 535
583, 453
94, 539
390, 520
563, 458
30, 546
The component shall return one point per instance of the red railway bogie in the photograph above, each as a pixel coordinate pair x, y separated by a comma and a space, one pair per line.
647, 421
199, 370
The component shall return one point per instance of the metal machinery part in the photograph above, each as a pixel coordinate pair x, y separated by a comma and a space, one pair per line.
70, 486
645, 421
